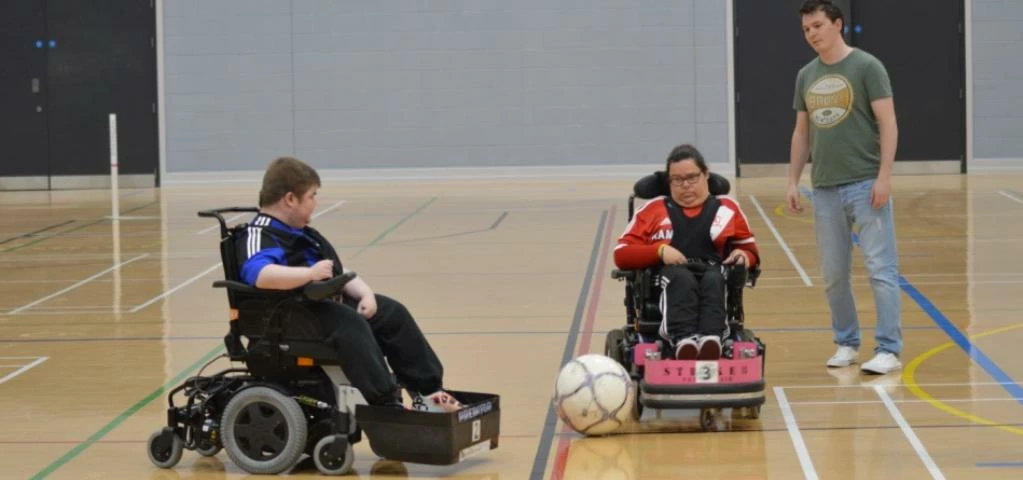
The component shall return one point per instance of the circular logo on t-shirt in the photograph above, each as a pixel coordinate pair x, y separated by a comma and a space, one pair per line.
829, 100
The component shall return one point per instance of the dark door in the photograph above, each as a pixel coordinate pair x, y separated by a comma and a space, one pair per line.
104, 62
769, 50
924, 58
926, 68
23, 50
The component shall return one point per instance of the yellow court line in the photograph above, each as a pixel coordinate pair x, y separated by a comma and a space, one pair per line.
780, 211
909, 378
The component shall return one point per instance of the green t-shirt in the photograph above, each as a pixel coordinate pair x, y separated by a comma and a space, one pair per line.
844, 141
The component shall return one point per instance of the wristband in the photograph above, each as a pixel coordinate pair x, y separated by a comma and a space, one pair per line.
660, 250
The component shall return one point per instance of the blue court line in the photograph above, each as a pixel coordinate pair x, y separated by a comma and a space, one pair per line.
806, 192
975, 353
1000, 464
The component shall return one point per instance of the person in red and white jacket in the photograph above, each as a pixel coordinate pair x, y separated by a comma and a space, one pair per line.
689, 226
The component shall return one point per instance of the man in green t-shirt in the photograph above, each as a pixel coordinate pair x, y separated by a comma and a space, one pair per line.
845, 119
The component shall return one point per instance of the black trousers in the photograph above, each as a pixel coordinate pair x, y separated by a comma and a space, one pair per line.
364, 345
692, 303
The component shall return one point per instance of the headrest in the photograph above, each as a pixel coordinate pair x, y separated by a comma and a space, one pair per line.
656, 184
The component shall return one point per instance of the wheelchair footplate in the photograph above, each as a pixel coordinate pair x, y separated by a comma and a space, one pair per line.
699, 384
433, 438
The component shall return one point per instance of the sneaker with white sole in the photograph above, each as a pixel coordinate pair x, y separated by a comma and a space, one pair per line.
844, 357
882, 363
436, 402
687, 349
710, 348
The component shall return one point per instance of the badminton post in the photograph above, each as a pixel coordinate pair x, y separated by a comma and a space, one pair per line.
114, 197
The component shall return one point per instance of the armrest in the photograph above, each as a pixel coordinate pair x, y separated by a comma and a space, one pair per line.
244, 288
736, 269
623, 274
754, 274
318, 290
748, 275
327, 288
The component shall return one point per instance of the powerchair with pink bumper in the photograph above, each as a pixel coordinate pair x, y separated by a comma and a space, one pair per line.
735, 381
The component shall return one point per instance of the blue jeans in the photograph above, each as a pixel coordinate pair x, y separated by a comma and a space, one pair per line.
836, 211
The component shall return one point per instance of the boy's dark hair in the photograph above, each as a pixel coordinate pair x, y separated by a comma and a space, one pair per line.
830, 10
685, 152
286, 174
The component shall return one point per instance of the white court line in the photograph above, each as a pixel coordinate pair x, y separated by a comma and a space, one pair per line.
229, 220
325, 210
23, 369
962, 282
792, 257
963, 384
62, 308
942, 400
1010, 196
44, 312
72, 287
915, 275
208, 270
179, 287
797, 438
913, 440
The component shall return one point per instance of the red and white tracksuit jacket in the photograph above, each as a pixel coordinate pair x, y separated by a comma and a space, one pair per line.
651, 226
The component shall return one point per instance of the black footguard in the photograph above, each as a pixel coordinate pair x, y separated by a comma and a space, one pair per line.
733, 395
433, 438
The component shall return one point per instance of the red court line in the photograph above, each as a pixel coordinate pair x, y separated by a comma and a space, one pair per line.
561, 457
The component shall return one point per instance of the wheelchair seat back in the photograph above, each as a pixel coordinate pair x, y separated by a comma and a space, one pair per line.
283, 337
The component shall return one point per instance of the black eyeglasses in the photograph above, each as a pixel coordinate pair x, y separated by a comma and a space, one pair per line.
690, 179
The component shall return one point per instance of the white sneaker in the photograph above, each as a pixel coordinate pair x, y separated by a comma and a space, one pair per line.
687, 349
882, 363
844, 357
710, 348
437, 402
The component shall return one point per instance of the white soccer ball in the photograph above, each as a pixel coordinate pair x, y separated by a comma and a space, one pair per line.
594, 395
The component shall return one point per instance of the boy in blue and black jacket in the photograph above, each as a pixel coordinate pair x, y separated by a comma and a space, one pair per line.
281, 251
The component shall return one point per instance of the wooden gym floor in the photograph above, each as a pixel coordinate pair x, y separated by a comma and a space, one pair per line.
509, 277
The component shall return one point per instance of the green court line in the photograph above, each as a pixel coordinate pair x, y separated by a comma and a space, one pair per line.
174, 382
102, 432
392, 227
79, 227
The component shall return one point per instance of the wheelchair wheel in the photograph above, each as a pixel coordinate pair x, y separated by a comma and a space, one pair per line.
331, 458
752, 413
708, 417
164, 448
636, 409
207, 449
264, 430
613, 346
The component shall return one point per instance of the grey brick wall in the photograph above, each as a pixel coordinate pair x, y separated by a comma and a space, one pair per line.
441, 83
997, 28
